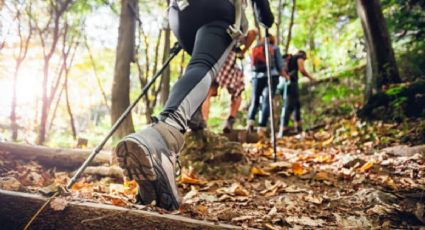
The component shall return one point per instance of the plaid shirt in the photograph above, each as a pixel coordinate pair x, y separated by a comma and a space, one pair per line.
231, 76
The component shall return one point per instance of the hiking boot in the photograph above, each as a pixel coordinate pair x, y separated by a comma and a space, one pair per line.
250, 127
298, 128
228, 126
262, 132
149, 157
283, 131
197, 122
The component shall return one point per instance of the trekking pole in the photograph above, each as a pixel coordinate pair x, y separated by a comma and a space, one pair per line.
173, 52
269, 78
285, 98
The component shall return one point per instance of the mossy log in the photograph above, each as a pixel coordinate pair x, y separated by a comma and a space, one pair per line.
396, 103
213, 156
17, 208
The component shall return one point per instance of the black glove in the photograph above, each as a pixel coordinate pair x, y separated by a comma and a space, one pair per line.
263, 12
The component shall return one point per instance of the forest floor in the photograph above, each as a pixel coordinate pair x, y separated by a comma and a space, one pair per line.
349, 174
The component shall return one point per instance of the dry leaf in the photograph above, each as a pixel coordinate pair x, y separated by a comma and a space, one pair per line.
118, 201
324, 176
191, 179
255, 171
81, 186
367, 166
278, 166
298, 169
130, 187
58, 204
315, 199
324, 158
234, 190
202, 210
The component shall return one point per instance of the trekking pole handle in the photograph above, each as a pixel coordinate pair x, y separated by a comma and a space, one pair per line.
173, 52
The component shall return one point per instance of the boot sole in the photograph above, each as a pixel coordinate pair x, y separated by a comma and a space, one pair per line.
141, 166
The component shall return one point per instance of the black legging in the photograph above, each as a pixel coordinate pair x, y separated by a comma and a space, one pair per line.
292, 104
201, 30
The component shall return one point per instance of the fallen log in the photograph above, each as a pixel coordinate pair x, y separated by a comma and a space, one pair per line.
53, 157
17, 208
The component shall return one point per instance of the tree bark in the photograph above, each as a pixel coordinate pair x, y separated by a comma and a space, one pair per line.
280, 8
53, 157
165, 87
17, 209
291, 24
124, 56
382, 68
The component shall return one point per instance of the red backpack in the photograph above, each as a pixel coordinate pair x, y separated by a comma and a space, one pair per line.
258, 57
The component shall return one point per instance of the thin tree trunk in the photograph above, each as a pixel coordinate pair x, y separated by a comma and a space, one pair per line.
165, 84
124, 56
55, 109
182, 64
382, 66
279, 23
13, 124
68, 108
291, 24
96, 75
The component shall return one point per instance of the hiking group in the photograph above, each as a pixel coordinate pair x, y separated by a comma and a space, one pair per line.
215, 33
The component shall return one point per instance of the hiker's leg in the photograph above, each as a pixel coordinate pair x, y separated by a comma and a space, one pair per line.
297, 111
288, 107
235, 104
149, 156
257, 88
206, 105
212, 44
265, 111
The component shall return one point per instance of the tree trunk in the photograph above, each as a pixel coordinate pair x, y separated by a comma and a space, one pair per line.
280, 8
382, 68
44, 105
68, 108
165, 87
182, 65
13, 124
291, 24
53, 157
124, 56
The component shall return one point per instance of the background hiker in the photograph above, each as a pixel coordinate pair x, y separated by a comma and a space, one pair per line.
295, 64
208, 31
231, 77
259, 82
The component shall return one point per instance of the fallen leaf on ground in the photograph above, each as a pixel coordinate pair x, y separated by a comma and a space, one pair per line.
130, 187
315, 199
255, 171
278, 166
58, 204
298, 169
191, 179
81, 186
367, 166
235, 189
304, 220
10, 183
118, 202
